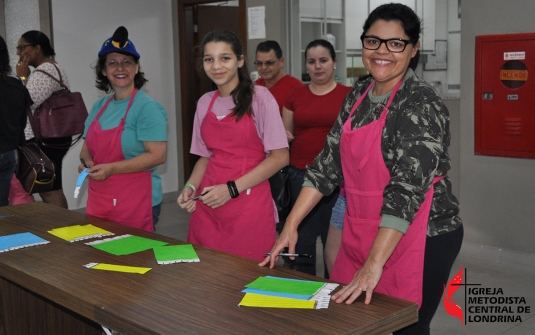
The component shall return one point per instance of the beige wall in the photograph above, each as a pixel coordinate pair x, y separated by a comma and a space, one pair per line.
497, 194
275, 28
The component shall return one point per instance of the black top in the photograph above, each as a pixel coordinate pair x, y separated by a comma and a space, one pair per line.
14, 100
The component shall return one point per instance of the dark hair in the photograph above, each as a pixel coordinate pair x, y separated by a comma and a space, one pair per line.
321, 43
269, 45
414, 60
103, 83
396, 12
5, 68
35, 37
242, 95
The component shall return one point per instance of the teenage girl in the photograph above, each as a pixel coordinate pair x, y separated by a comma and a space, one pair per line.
239, 136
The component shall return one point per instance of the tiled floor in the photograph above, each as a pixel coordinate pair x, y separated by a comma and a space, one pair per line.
515, 282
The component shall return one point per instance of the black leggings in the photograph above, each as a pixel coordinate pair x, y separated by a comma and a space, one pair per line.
440, 253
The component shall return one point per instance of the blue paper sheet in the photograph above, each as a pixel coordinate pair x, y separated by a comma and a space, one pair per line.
21, 240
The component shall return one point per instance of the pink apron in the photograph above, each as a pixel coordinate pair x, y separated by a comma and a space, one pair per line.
365, 178
244, 226
124, 198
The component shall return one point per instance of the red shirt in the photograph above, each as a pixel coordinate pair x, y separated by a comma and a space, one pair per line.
282, 88
313, 116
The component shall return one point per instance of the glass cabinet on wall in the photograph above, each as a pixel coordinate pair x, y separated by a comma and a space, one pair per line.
315, 19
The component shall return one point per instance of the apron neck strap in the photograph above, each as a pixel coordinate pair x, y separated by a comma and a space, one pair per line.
385, 110
216, 94
132, 96
134, 92
392, 95
117, 136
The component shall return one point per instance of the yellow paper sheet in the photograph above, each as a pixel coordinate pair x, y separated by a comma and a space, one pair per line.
121, 268
259, 300
72, 233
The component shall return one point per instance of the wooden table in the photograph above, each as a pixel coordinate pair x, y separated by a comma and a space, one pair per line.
46, 290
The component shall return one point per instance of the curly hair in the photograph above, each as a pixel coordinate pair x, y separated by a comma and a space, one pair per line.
103, 83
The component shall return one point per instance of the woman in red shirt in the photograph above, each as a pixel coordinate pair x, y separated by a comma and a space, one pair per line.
308, 115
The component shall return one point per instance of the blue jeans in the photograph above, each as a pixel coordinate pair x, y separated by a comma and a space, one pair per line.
339, 211
315, 224
8, 162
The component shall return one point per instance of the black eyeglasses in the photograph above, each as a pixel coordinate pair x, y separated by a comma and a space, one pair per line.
267, 63
392, 44
22, 46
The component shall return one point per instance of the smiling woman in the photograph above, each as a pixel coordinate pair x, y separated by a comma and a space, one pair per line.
125, 140
221, 65
239, 136
35, 50
389, 146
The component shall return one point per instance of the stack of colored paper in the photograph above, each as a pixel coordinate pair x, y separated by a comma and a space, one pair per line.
17, 241
78, 232
170, 254
125, 244
278, 292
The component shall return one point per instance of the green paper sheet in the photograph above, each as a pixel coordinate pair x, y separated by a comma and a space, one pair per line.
126, 244
175, 254
283, 285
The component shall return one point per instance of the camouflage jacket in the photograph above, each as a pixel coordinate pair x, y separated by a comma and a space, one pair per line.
415, 149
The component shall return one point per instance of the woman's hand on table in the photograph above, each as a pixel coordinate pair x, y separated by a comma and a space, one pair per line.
367, 277
287, 239
365, 280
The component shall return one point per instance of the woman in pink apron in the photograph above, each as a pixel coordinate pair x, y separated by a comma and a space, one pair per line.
125, 139
402, 230
240, 138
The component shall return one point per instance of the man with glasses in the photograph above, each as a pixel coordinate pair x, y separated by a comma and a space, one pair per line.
270, 63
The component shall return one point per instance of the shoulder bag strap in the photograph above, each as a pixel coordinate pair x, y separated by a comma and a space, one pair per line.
36, 131
60, 81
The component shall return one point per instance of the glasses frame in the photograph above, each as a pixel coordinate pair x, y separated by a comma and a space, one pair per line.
112, 64
21, 47
381, 41
268, 63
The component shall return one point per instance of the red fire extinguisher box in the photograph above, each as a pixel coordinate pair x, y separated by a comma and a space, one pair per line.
505, 95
